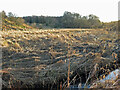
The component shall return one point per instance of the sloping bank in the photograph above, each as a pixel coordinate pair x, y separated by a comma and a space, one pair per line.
37, 58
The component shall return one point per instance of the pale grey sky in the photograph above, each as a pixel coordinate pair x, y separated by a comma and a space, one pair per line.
106, 10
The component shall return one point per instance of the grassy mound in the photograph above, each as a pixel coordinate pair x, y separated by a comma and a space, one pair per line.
15, 24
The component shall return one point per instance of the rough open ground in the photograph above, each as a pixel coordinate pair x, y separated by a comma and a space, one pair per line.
39, 58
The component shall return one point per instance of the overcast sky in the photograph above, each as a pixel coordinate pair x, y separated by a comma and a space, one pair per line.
106, 10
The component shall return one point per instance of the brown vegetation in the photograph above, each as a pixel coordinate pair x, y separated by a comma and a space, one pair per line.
41, 57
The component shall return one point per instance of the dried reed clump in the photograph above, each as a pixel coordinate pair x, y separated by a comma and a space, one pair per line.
5, 44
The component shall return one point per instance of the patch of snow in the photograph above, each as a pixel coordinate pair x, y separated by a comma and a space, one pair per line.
112, 76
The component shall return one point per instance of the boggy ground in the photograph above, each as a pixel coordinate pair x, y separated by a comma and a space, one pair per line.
39, 58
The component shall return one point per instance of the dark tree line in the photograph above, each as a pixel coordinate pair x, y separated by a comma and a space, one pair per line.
68, 20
